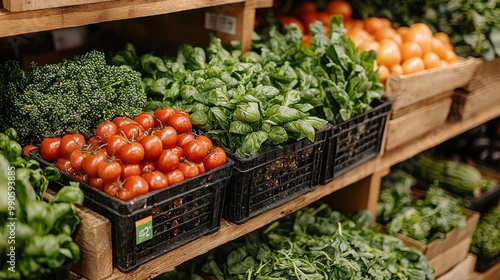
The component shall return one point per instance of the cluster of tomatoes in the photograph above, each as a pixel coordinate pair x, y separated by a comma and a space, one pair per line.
307, 12
403, 50
128, 157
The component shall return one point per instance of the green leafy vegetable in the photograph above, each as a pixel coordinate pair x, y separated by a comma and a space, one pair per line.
486, 238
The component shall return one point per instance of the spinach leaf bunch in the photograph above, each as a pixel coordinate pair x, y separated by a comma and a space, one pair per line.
473, 26
316, 243
486, 238
424, 219
231, 98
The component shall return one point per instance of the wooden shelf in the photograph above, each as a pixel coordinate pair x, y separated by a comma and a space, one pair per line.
17, 23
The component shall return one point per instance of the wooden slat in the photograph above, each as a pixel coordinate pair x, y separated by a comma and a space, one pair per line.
56, 18
27, 5
462, 270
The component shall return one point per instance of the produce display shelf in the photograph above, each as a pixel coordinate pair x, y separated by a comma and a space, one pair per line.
344, 185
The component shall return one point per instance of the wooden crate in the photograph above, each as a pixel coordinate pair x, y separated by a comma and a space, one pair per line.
491, 274
468, 104
27, 5
409, 89
462, 270
486, 73
453, 238
417, 121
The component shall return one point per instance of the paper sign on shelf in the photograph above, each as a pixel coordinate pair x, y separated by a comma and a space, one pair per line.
220, 23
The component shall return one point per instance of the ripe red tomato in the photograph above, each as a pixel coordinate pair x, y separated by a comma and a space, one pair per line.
156, 180
216, 158
146, 120
28, 148
180, 121
167, 161
76, 159
91, 162
201, 167
178, 151
168, 136
105, 130
147, 166
162, 115
127, 189
114, 144
184, 138
130, 131
109, 170
189, 169
130, 170
80, 176
49, 148
132, 152
207, 141
71, 142
94, 143
195, 150
63, 164
174, 177
152, 146
119, 121
97, 183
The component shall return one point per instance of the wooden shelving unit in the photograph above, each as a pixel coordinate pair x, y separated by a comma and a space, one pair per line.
358, 188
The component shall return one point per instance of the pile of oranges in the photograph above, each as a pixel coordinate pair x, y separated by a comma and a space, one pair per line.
403, 50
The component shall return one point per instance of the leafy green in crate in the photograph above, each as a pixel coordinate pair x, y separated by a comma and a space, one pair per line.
426, 218
255, 101
316, 243
35, 235
486, 238
71, 96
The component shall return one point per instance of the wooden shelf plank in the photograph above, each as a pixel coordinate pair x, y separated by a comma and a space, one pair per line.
230, 231
16, 23
435, 137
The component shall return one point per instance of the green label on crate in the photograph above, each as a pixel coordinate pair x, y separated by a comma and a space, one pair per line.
143, 230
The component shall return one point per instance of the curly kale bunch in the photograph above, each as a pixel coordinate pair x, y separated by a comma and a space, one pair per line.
71, 96
486, 238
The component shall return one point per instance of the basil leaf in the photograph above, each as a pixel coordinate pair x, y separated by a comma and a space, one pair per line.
251, 144
303, 128
221, 117
247, 112
283, 114
278, 135
239, 127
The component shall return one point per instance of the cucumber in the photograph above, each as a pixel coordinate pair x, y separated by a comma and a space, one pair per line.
456, 176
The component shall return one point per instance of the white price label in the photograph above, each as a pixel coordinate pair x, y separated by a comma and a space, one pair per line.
220, 23
68, 38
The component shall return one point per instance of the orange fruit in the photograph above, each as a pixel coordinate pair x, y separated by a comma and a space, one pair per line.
420, 37
413, 65
443, 37
383, 72
410, 49
324, 17
373, 24
398, 39
359, 36
308, 19
451, 56
422, 27
369, 45
397, 69
385, 22
306, 39
339, 7
431, 60
388, 53
287, 21
402, 30
386, 32
438, 48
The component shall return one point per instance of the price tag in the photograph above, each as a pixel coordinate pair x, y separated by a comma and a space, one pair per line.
69, 38
143, 230
220, 23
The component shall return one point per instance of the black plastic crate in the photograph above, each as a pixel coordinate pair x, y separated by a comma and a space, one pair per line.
270, 179
483, 263
160, 221
355, 141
